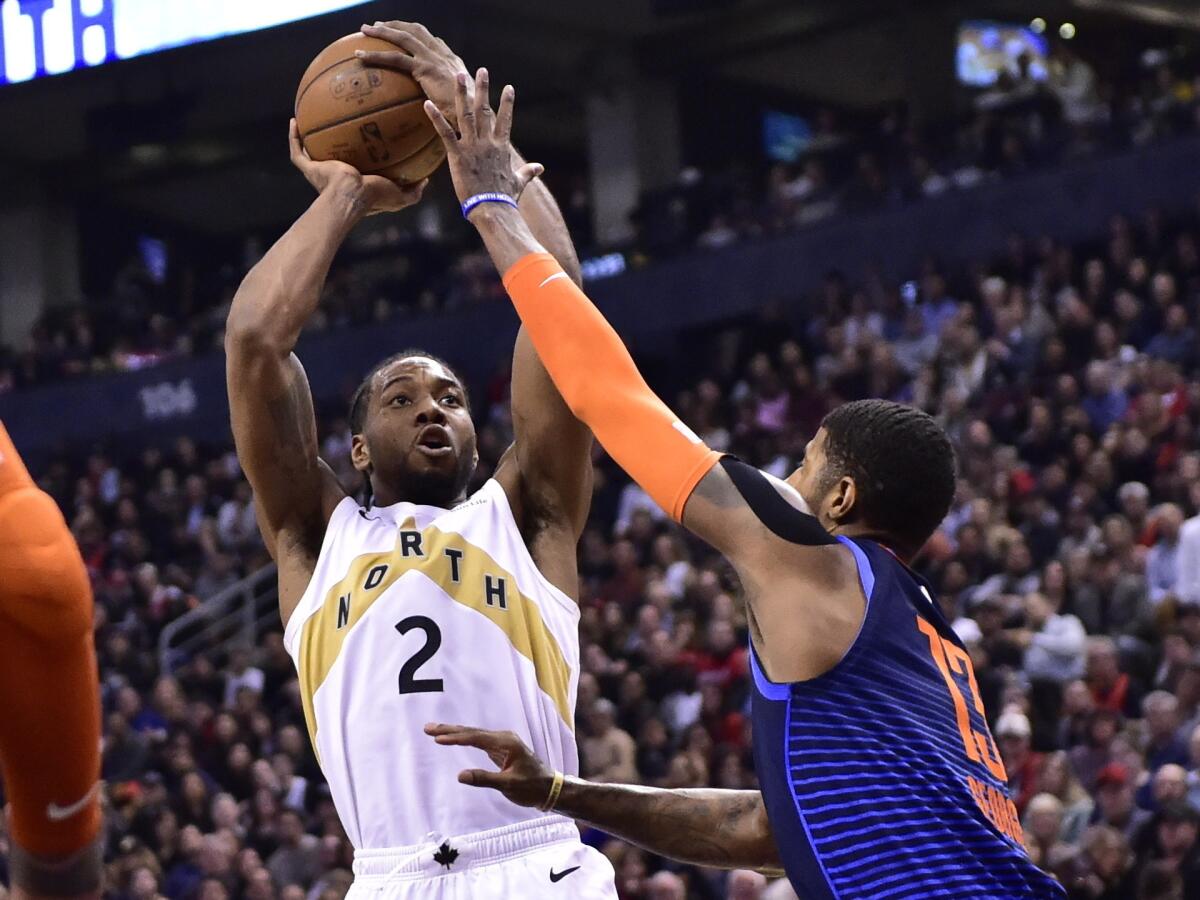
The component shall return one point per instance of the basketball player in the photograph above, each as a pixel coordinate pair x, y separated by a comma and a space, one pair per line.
423, 602
49, 695
879, 776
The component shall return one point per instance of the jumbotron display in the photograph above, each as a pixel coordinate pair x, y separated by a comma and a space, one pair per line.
49, 37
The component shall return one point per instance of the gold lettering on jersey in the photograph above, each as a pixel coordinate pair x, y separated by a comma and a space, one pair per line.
466, 574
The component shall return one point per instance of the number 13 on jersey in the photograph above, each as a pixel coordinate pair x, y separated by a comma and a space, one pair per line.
950, 660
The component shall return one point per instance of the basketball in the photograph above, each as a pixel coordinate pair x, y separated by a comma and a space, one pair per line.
371, 118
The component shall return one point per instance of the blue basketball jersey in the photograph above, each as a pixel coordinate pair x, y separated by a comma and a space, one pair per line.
880, 777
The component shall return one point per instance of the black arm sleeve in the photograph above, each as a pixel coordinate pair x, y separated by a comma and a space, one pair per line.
772, 509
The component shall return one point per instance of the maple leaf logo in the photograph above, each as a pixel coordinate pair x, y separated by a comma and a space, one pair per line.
446, 855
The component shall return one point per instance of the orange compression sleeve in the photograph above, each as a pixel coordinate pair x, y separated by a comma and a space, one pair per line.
597, 378
49, 692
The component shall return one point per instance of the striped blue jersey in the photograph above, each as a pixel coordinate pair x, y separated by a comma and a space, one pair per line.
880, 777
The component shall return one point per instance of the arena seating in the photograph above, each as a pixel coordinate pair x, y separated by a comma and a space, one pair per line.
1067, 378
885, 162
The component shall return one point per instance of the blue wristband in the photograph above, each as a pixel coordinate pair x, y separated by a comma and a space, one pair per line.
489, 197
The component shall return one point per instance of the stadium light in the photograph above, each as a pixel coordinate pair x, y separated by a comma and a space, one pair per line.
1066, 31
1038, 25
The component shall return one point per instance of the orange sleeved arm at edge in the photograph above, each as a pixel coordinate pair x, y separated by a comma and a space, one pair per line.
49, 690
597, 378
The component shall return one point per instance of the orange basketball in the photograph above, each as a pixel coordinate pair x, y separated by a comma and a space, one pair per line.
372, 119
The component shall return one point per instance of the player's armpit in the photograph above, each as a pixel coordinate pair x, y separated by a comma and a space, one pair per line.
800, 583
549, 474
744, 513
597, 378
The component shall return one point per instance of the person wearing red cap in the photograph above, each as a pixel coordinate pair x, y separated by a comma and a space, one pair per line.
1114, 802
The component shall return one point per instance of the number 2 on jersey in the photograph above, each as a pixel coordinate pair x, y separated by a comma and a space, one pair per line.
950, 658
433, 640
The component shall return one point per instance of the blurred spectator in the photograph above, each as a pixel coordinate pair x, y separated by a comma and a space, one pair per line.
1043, 823
1024, 766
1054, 644
241, 676
1115, 806
1162, 562
1111, 688
665, 886
1160, 710
1177, 847
745, 885
297, 861
609, 753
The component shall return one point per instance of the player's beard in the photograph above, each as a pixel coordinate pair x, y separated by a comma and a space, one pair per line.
434, 487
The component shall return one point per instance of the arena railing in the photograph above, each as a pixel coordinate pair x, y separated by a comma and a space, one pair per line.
231, 619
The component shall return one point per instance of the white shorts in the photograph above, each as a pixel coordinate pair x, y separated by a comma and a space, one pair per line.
542, 859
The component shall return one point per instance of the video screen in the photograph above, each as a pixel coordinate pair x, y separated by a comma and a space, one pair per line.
987, 49
785, 136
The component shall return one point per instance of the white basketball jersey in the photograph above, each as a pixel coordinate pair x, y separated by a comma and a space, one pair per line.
417, 614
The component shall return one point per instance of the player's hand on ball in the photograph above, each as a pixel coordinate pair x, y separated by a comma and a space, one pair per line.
375, 193
426, 58
523, 778
480, 154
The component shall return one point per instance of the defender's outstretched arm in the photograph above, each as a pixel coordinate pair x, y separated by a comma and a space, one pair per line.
706, 827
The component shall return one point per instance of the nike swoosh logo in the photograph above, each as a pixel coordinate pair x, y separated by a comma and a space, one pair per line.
542, 285
56, 813
559, 876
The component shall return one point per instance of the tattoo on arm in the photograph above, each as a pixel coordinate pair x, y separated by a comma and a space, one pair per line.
287, 429
275, 434
721, 828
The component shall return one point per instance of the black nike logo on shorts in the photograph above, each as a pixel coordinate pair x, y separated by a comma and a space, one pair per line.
559, 876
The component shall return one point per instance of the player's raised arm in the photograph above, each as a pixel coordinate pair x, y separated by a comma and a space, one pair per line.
548, 475
705, 827
792, 569
271, 407
590, 366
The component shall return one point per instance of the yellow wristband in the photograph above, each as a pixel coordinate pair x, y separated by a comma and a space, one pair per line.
555, 790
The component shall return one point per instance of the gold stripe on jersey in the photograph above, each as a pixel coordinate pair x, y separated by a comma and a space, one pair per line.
324, 632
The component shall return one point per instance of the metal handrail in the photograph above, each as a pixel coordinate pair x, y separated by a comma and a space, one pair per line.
233, 618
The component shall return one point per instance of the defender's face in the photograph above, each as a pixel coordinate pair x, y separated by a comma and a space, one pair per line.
419, 432
809, 477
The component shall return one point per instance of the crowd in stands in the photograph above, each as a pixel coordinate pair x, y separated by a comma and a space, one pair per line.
1070, 565
1017, 126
